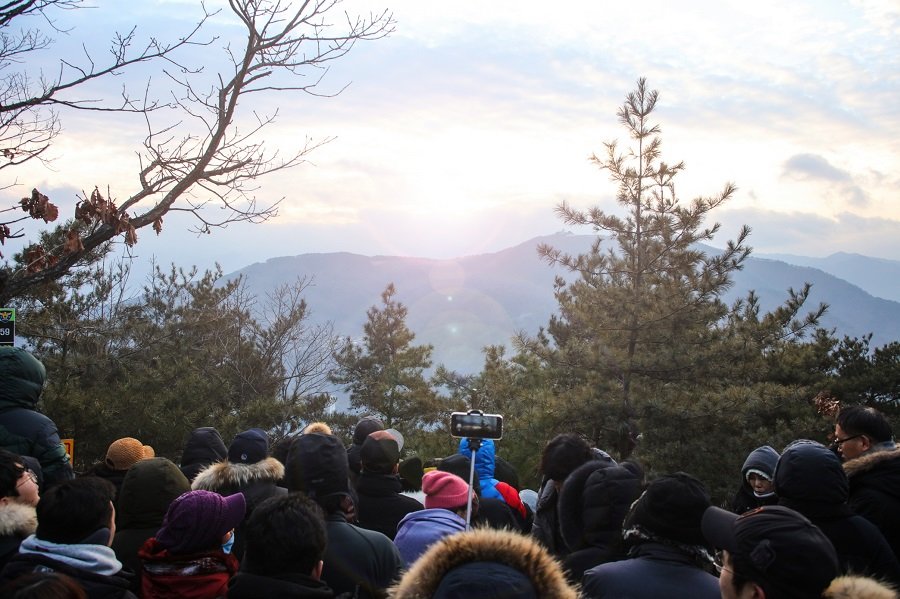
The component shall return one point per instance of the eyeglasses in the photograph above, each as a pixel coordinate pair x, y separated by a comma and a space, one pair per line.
719, 561
30, 475
838, 442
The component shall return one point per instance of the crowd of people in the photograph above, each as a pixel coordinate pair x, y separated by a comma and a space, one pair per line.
310, 517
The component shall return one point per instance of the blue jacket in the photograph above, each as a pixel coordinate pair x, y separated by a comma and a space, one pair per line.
417, 531
484, 466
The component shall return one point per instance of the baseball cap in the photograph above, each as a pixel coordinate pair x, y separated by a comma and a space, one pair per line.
780, 548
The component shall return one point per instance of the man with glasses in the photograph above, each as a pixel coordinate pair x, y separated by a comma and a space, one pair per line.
864, 439
18, 497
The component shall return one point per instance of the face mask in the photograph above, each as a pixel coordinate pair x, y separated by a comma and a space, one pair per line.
227, 545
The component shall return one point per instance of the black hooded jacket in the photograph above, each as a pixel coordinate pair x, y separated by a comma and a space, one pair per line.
809, 478
203, 447
875, 491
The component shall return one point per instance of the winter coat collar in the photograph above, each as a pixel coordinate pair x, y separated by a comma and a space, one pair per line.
229, 475
869, 461
857, 587
502, 546
17, 520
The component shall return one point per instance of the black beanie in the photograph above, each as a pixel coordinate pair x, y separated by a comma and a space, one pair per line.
672, 508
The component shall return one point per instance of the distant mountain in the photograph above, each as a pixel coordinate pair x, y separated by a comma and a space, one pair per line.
877, 276
463, 304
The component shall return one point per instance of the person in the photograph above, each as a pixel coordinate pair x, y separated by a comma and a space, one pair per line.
203, 447
446, 503
491, 488
190, 555
492, 512
149, 488
592, 506
757, 475
380, 504
361, 562
667, 553
774, 552
248, 470
485, 564
366, 425
809, 479
121, 455
76, 524
23, 430
560, 457
284, 549
19, 495
864, 439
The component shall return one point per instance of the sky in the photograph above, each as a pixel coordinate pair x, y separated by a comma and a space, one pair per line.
462, 131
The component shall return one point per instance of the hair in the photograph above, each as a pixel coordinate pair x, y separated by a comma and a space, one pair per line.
865, 420
43, 585
11, 469
285, 534
563, 454
69, 512
739, 577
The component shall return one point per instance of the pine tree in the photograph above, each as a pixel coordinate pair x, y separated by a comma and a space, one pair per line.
385, 372
641, 307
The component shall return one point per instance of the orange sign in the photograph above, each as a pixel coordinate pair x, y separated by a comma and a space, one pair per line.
69, 444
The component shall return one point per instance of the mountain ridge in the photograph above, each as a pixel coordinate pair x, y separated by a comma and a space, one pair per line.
460, 305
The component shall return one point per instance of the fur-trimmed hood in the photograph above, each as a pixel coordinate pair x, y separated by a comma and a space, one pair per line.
857, 587
17, 519
866, 462
511, 549
229, 476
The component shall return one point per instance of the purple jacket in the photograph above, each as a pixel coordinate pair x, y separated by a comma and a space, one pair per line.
417, 531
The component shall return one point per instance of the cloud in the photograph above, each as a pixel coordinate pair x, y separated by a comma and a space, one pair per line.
816, 169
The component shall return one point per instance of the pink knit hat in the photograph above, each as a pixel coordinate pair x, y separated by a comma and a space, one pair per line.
445, 490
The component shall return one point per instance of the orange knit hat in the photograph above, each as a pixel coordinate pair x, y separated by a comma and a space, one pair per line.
124, 452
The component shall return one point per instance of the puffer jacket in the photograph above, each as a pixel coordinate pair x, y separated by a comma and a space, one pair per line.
23, 430
592, 506
809, 479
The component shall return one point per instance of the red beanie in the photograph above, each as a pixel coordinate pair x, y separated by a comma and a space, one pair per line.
445, 490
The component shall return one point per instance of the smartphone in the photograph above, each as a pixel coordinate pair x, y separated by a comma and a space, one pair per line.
476, 425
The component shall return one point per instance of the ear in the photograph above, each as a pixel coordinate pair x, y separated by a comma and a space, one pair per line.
865, 442
4, 501
753, 591
317, 570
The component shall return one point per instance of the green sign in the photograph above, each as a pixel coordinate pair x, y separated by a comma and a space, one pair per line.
7, 326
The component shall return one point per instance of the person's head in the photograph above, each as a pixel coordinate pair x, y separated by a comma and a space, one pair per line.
447, 491
671, 509
22, 376
43, 585
771, 552
317, 466
365, 427
488, 564
18, 484
249, 447
380, 453
858, 428
148, 489
809, 474
200, 521
759, 470
285, 535
563, 454
78, 511
123, 453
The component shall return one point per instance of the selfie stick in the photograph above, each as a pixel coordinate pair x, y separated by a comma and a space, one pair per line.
474, 445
